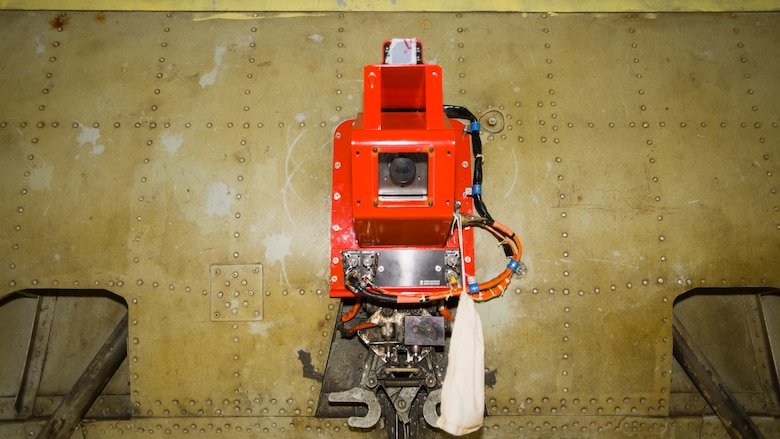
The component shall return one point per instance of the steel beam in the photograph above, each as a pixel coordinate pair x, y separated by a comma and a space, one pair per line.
88, 387
697, 366
36, 355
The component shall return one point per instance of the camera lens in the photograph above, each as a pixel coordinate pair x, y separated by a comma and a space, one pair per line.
402, 170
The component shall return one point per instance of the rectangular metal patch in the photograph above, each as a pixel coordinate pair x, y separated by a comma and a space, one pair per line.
236, 292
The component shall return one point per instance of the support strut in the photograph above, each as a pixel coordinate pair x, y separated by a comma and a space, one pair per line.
697, 366
89, 385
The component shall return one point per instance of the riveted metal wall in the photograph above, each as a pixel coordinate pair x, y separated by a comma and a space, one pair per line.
182, 161
399, 5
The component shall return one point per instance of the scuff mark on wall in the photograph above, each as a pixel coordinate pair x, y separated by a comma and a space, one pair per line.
91, 136
277, 247
209, 77
220, 199
39, 47
517, 171
308, 367
40, 177
171, 141
291, 167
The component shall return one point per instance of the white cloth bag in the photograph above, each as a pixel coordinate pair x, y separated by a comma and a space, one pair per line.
463, 392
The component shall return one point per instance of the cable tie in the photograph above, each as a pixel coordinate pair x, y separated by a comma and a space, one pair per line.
474, 126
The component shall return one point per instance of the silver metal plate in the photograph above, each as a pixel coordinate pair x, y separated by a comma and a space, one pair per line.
413, 268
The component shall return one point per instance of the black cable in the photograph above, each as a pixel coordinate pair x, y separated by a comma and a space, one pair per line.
456, 112
362, 290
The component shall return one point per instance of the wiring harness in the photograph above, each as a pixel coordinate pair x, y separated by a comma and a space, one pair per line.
510, 243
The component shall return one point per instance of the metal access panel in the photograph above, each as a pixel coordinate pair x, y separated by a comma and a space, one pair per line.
236, 292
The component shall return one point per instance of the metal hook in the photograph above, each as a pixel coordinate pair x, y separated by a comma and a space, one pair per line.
358, 395
429, 408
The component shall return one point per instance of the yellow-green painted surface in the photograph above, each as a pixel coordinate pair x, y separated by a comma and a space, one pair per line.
399, 5
160, 155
